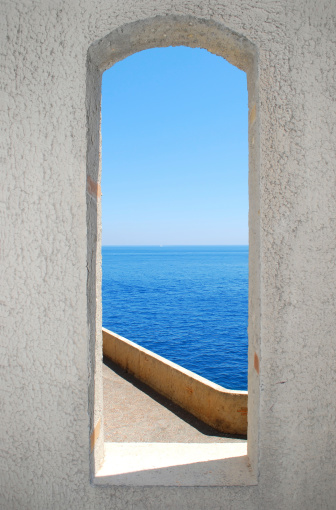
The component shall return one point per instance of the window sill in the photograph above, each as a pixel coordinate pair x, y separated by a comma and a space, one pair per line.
175, 465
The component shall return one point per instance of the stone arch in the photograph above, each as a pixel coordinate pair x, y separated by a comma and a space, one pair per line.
164, 31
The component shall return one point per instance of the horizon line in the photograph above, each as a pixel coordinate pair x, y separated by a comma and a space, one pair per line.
164, 245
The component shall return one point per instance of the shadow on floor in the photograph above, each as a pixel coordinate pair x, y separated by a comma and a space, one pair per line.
188, 418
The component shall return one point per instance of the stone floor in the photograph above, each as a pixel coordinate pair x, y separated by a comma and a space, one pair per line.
133, 412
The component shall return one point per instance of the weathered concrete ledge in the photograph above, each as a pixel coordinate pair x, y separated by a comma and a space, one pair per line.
223, 409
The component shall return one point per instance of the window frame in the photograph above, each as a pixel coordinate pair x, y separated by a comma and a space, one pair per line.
119, 44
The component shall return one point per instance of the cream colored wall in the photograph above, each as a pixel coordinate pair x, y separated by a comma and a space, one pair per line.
46, 352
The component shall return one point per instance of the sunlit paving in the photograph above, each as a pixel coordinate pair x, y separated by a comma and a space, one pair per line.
180, 464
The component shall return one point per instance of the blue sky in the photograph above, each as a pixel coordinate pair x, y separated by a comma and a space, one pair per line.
174, 150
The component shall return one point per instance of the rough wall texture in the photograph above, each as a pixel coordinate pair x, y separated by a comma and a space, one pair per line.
45, 350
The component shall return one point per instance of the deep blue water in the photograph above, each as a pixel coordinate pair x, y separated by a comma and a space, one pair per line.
186, 303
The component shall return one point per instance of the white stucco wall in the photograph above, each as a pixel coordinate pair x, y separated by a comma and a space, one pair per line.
45, 352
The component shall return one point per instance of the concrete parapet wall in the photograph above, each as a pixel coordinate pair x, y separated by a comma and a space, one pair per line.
223, 409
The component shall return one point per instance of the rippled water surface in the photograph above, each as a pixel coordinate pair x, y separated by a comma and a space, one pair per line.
188, 304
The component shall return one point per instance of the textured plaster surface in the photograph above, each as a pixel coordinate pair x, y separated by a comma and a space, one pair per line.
46, 354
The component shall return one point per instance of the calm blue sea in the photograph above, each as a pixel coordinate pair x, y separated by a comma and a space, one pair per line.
186, 303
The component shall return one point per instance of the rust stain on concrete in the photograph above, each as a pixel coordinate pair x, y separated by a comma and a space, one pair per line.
256, 362
95, 434
252, 114
93, 188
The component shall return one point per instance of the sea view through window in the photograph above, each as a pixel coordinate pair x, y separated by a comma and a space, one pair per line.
186, 303
175, 209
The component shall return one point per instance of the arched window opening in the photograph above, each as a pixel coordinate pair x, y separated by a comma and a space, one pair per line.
131, 39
